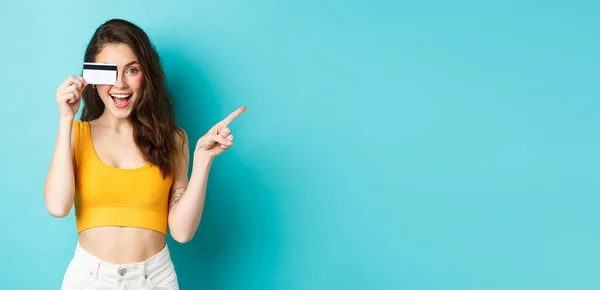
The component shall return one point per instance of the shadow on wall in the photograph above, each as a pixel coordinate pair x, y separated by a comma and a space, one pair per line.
237, 245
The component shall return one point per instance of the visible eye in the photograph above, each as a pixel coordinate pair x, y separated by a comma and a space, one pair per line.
132, 70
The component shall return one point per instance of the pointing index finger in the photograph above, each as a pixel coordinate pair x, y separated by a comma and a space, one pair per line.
232, 116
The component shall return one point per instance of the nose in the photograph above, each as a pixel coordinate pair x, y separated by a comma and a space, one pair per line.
120, 81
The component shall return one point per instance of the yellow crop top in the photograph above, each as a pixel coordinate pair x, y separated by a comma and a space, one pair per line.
109, 196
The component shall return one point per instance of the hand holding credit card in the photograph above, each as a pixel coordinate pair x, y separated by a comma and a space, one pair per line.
100, 73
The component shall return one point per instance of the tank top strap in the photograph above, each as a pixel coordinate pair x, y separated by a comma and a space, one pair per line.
81, 131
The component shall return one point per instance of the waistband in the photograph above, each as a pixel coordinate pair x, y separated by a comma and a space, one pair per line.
94, 266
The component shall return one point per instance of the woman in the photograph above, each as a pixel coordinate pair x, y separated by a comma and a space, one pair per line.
124, 166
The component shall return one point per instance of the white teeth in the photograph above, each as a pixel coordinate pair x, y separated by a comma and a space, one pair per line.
120, 96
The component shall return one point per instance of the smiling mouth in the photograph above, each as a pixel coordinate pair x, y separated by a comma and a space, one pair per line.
121, 101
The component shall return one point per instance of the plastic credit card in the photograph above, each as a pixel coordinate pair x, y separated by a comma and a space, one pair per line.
100, 73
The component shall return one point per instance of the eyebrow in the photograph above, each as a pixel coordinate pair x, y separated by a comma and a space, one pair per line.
132, 63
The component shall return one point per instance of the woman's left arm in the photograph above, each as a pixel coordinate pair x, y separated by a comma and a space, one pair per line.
186, 202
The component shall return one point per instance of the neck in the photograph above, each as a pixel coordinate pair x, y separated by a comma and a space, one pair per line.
113, 123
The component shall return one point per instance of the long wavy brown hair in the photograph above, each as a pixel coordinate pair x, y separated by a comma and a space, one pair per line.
153, 117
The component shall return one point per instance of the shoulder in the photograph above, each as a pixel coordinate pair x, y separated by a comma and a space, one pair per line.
181, 140
181, 136
181, 154
77, 127
75, 131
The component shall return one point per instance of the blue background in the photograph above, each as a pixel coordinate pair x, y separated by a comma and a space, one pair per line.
386, 145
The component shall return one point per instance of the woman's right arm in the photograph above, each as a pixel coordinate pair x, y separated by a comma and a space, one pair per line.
59, 188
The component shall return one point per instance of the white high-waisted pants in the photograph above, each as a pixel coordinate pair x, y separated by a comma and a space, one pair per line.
85, 271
